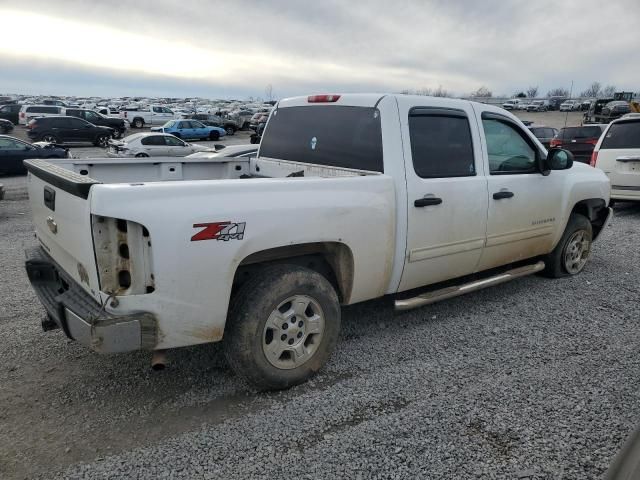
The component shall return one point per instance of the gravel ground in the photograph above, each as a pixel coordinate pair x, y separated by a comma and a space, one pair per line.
533, 379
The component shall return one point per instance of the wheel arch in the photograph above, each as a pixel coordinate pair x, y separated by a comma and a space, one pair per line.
595, 209
333, 260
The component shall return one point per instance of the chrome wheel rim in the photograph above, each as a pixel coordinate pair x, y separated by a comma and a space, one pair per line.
103, 141
576, 252
49, 138
293, 332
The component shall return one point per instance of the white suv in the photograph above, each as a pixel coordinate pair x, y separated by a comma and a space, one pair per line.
569, 106
28, 112
617, 153
512, 104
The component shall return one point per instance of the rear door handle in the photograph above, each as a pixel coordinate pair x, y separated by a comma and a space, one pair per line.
502, 194
628, 159
426, 201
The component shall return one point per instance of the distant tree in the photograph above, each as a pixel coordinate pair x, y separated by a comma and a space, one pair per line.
427, 92
482, 92
520, 95
558, 92
532, 92
608, 91
593, 90
441, 92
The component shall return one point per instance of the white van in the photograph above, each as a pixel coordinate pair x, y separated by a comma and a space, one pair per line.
618, 154
27, 112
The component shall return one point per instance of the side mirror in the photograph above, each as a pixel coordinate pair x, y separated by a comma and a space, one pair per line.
559, 159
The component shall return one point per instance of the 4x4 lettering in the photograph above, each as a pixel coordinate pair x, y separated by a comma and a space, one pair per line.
219, 231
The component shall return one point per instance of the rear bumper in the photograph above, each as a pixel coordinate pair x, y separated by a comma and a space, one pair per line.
620, 192
83, 319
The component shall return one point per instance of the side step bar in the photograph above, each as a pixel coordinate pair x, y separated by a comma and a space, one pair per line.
455, 291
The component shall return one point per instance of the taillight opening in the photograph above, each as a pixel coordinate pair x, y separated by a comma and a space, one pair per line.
594, 158
323, 98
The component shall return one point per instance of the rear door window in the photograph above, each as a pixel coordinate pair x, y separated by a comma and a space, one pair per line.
337, 136
154, 140
622, 135
441, 144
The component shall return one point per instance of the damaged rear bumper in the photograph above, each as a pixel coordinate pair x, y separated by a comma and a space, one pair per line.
80, 316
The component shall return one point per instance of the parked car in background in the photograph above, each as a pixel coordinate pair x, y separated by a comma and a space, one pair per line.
257, 119
617, 153
544, 134
53, 101
28, 112
6, 126
11, 112
579, 140
512, 104
614, 110
229, 125
151, 115
191, 129
13, 151
118, 124
553, 103
570, 106
232, 151
152, 144
523, 105
68, 130
537, 106
586, 105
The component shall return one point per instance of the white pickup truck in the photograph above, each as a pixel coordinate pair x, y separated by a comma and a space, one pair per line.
153, 115
351, 197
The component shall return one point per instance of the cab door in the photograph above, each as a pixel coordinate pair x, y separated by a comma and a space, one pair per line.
524, 205
447, 192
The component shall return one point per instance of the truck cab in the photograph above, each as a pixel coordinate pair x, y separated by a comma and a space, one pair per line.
351, 197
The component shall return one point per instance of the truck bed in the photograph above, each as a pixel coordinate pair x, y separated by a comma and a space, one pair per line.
163, 169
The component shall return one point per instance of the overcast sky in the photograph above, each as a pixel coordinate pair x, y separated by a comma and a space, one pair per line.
236, 48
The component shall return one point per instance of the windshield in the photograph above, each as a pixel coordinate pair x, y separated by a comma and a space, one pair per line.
338, 136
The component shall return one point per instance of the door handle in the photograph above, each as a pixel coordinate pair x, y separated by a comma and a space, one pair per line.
425, 201
502, 194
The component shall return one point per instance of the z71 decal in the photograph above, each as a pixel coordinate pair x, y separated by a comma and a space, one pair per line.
219, 231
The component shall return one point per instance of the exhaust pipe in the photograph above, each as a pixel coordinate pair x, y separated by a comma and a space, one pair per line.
159, 360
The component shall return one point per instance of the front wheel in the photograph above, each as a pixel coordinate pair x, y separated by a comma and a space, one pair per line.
214, 135
141, 155
102, 141
50, 138
283, 325
230, 130
573, 250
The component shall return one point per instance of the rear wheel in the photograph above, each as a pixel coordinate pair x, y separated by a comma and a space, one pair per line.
138, 122
141, 155
117, 134
573, 250
230, 129
50, 138
283, 326
214, 135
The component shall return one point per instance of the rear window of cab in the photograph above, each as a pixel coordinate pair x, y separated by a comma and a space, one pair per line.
336, 136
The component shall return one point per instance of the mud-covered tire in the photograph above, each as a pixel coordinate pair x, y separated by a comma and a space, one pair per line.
559, 263
260, 300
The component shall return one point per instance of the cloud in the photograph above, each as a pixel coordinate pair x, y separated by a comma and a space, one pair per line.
241, 46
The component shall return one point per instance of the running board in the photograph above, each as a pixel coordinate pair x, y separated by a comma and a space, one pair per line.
455, 291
